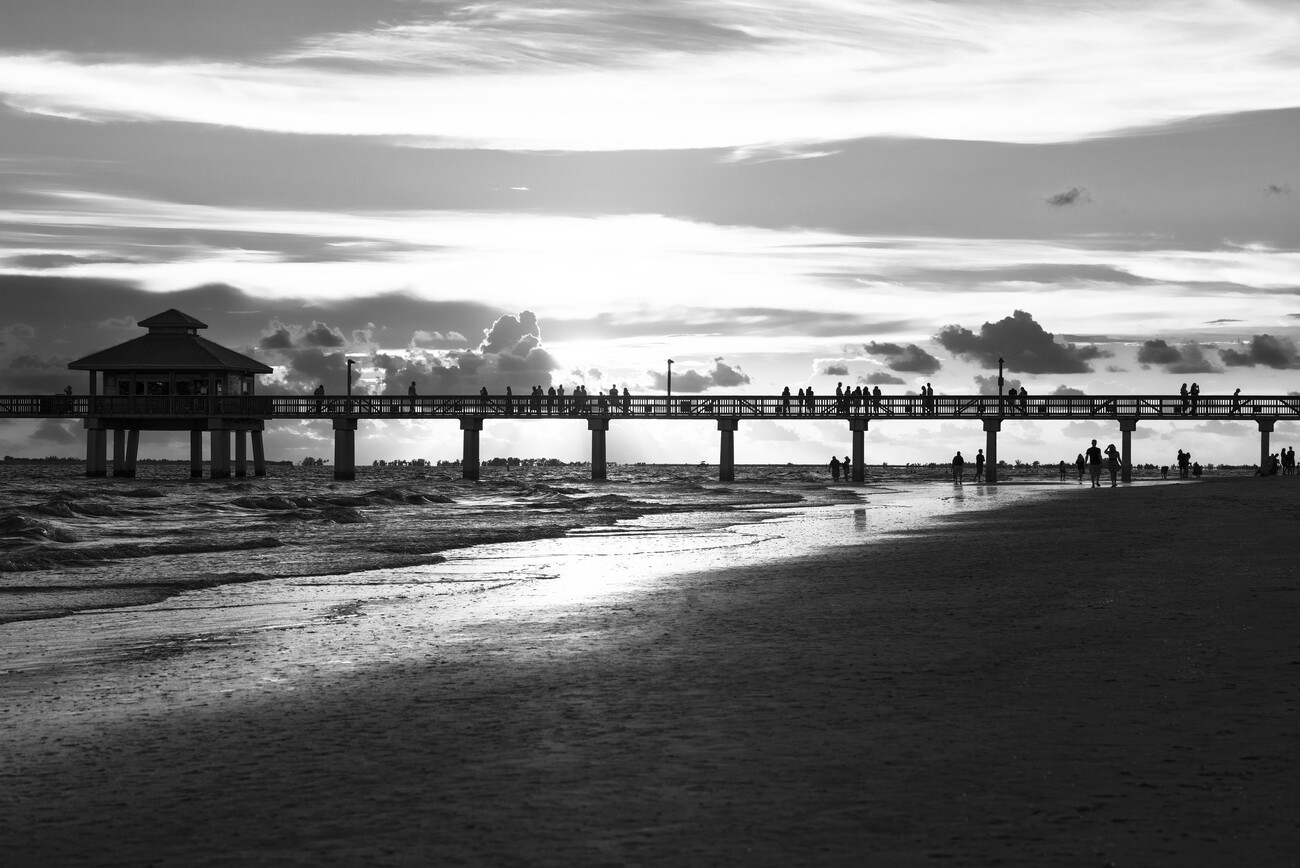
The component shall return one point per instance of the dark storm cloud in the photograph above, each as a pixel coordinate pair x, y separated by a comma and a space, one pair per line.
1023, 344
57, 431
880, 378
168, 28
1072, 196
37, 261
1265, 350
692, 381
908, 359
836, 370
1188, 359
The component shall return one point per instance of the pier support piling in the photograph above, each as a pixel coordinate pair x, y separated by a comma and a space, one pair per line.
598, 426
727, 449
859, 429
259, 455
345, 448
196, 454
1127, 425
119, 452
219, 450
991, 428
96, 449
1266, 424
471, 425
241, 453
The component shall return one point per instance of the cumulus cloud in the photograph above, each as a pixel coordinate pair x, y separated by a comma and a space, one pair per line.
1072, 196
1022, 343
56, 431
989, 385
880, 378
691, 381
1187, 359
1266, 350
909, 359
511, 354
836, 370
1067, 392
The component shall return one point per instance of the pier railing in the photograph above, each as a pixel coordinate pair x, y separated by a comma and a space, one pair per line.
1171, 407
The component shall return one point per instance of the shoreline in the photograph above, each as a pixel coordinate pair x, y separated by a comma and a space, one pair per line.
1055, 681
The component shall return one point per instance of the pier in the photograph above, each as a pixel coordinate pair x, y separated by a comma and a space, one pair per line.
243, 416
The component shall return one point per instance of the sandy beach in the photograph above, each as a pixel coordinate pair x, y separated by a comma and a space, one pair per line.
1097, 677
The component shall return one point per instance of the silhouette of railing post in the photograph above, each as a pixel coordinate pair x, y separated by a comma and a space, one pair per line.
991, 428
1127, 425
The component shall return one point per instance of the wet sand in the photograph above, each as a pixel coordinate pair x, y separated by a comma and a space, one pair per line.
1096, 678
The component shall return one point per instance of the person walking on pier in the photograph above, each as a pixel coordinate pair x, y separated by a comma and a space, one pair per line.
1193, 394
1236, 402
835, 468
809, 401
1112, 463
1094, 464
410, 393
1078, 465
320, 398
958, 469
1183, 392
979, 466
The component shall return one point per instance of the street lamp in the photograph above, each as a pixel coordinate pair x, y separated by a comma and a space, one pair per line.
999, 385
351, 362
670, 381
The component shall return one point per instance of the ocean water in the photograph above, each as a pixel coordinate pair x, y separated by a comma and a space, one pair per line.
101, 570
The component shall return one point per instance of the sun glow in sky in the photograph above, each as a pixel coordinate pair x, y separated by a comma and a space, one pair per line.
771, 194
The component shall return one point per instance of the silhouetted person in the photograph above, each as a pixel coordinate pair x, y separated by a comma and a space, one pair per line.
846, 464
958, 469
1079, 464
1196, 470
979, 466
559, 399
1183, 392
1236, 401
785, 401
550, 401
799, 400
1011, 400
1094, 464
1062, 470
1184, 464
1024, 401
410, 392
320, 398
835, 468
1193, 394
810, 400
875, 398
627, 401
1112, 463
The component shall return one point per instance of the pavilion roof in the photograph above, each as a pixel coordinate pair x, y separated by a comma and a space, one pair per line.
172, 344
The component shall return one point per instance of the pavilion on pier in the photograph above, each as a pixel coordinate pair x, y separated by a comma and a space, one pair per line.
173, 379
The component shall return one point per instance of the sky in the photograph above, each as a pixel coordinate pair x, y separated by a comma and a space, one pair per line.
882, 192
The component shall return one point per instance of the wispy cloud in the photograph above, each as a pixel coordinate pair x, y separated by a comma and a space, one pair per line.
609, 76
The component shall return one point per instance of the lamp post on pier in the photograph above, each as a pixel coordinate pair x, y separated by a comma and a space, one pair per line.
999, 385
670, 385
351, 362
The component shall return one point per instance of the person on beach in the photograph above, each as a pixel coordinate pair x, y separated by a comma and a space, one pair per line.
958, 469
846, 465
1062, 470
979, 466
835, 468
1112, 463
1079, 465
1094, 464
